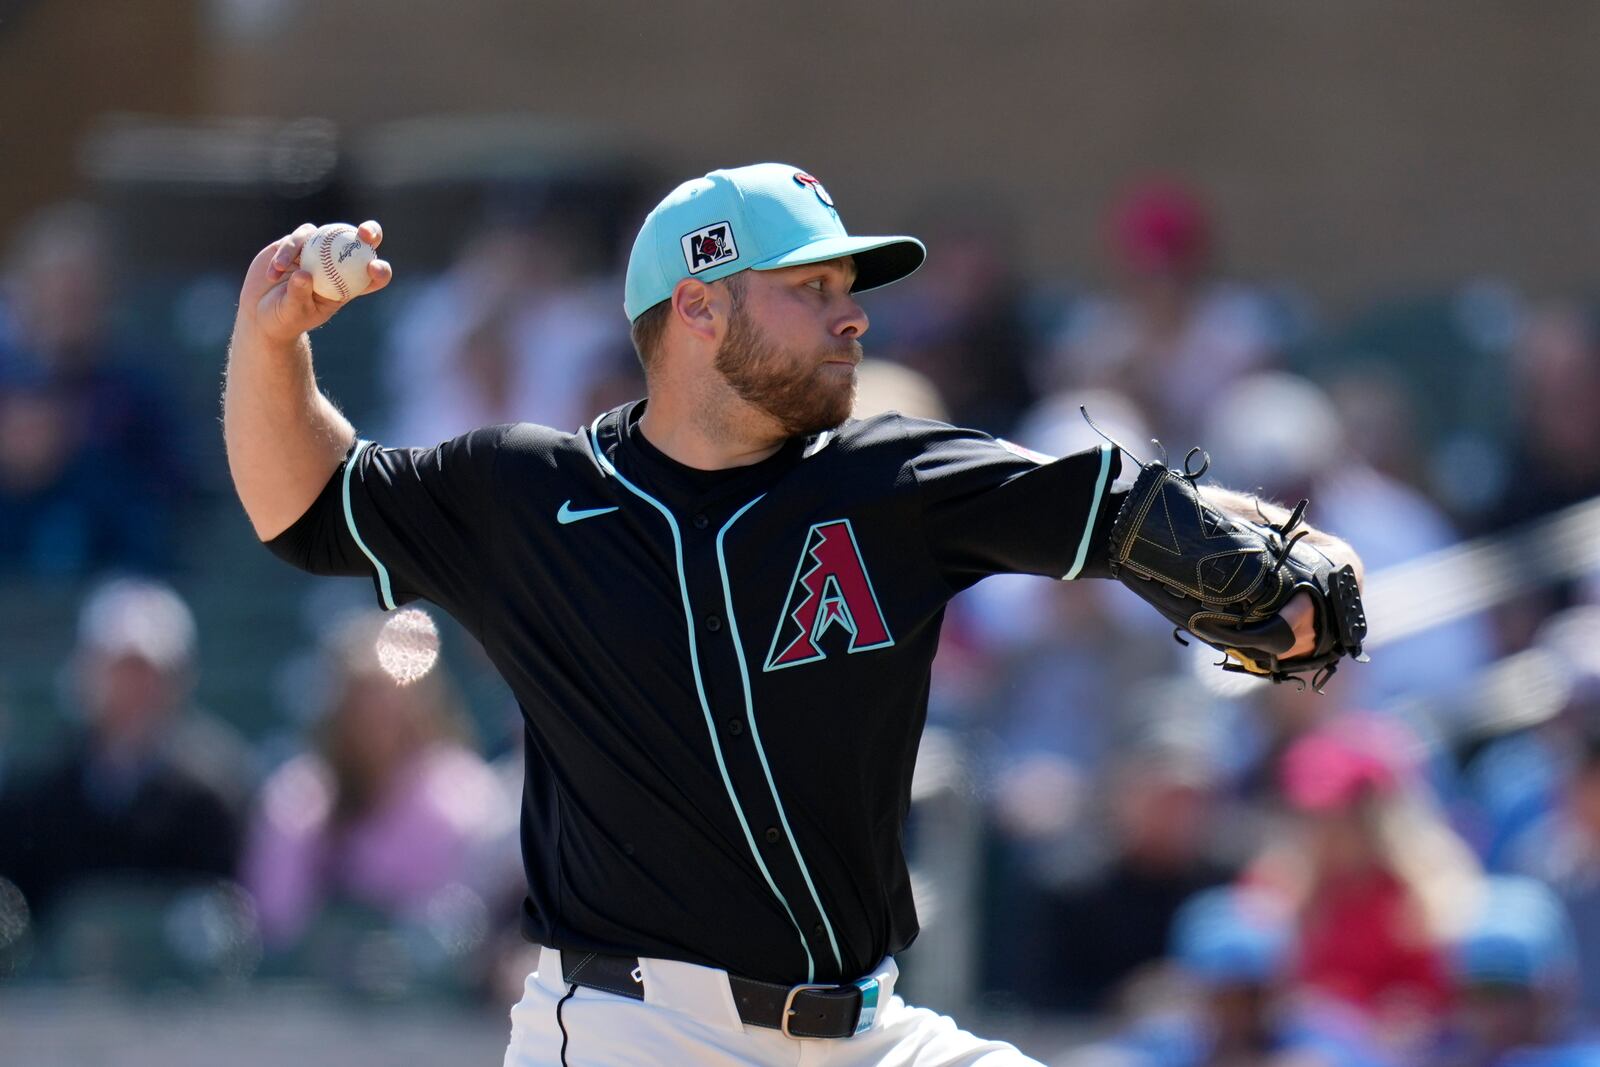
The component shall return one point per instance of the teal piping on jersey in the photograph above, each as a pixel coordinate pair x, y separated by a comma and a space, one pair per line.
384, 591
699, 684
755, 734
1094, 510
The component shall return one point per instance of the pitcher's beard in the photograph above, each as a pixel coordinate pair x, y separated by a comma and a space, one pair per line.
801, 393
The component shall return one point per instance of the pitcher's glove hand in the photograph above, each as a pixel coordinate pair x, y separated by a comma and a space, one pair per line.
1225, 579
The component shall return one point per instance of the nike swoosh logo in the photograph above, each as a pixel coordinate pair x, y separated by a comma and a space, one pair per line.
566, 515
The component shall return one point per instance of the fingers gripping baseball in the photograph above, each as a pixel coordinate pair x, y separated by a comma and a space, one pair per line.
281, 293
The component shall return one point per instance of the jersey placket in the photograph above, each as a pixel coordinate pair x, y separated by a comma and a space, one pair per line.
722, 685
727, 659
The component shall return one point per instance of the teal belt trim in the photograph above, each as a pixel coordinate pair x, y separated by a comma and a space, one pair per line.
1094, 510
384, 591
755, 734
699, 683
870, 988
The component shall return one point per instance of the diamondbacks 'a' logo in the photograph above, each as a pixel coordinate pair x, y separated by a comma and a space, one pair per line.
708, 246
830, 588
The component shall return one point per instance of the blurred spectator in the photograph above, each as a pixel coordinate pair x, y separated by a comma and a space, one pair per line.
1058, 654
1514, 965
1022, 644
387, 811
1562, 848
1279, 434
1170, 336
1064, 681
92, 454
883, 386
68, 509
511, 332
5, 737
1233, 950
1281, 715
1380, 421
1557, 456
150, 786
1055, 425
960, 320
1378, 883
1096, 936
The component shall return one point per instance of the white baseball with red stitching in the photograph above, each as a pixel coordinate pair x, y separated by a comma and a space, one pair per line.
337, 259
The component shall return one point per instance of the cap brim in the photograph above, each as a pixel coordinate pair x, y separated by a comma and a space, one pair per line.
879, 260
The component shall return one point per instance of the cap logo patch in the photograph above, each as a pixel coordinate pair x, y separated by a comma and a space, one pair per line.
709, 246
816, 187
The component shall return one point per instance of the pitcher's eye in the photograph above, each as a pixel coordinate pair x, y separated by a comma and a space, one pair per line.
817, 283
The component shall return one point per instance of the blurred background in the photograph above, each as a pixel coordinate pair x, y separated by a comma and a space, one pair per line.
1346, 248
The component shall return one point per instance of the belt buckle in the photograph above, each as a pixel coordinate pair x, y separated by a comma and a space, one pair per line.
789, 1012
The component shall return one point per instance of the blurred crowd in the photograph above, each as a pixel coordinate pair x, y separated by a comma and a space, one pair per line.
1405, 870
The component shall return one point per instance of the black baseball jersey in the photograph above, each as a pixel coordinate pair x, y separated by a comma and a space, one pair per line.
723, 675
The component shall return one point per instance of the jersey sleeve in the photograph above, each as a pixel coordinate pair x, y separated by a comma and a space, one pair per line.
991, 507
418, 521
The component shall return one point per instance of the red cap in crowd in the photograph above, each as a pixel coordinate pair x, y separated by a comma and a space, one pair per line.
1160, 227
1333, 768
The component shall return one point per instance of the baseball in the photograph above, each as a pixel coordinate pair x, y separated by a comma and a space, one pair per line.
336, 258
408, 645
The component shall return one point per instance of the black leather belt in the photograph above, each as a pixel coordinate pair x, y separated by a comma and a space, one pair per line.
805, 1011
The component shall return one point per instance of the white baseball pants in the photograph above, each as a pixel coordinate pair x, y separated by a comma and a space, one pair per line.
688, 1019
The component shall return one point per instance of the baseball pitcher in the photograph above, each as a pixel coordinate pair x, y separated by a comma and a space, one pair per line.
717, 607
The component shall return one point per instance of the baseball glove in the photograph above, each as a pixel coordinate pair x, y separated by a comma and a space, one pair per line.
1224, 579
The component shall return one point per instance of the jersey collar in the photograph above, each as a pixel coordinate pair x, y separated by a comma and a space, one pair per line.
619, 438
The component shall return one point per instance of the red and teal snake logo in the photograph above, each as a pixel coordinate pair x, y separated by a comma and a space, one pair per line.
830, 589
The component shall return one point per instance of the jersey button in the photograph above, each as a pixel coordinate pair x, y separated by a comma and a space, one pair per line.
713, 623
772, 835
701, 522
735, 727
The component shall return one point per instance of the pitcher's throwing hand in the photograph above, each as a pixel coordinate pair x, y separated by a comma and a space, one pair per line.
280, 292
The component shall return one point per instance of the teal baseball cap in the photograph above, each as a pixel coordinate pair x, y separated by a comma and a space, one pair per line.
760, 217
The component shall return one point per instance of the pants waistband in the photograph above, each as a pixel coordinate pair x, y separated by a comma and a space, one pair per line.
706, 993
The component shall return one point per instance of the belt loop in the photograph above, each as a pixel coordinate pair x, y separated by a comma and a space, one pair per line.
701, 992
548, 970
887, 975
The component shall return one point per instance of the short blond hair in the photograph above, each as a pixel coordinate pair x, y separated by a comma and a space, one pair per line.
647, 330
